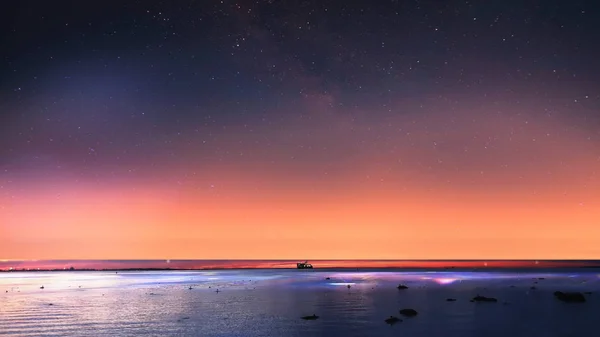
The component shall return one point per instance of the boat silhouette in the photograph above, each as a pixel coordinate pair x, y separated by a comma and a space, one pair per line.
304, 265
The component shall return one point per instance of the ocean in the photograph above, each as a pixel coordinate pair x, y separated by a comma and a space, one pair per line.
271, 302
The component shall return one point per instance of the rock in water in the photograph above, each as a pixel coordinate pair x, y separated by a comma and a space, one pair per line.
408, 312
479, 298
570, 297
392, 320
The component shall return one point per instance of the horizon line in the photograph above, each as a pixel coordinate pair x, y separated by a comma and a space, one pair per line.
456, 268
300, 259
168, 264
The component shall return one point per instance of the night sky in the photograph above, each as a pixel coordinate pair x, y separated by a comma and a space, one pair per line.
300, 129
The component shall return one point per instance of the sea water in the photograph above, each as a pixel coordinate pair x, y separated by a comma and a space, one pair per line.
272, 302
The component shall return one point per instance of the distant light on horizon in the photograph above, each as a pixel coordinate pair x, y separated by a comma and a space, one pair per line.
445, 280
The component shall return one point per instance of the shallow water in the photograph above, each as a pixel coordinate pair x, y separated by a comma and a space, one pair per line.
271, 302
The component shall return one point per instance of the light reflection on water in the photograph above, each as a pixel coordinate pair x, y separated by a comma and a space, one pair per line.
270, 303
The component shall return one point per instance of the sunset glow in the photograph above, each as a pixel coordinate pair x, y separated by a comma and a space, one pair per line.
67, 221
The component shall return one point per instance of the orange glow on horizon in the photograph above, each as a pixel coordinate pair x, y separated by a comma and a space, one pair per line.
153, 225
541, 201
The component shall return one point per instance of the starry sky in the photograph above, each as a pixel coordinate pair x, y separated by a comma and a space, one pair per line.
300, 129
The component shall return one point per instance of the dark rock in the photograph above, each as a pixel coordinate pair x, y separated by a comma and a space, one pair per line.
408, 312
533, 288
328, 278
480, 298
451, 300
570, 297
310, 318
402, 286
392, 320
587, 292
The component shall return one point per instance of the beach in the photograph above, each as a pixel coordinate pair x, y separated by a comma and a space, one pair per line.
264, 302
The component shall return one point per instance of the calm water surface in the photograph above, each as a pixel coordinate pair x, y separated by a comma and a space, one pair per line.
270, 303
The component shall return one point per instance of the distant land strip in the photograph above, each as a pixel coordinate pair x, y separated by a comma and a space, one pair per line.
190, 265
